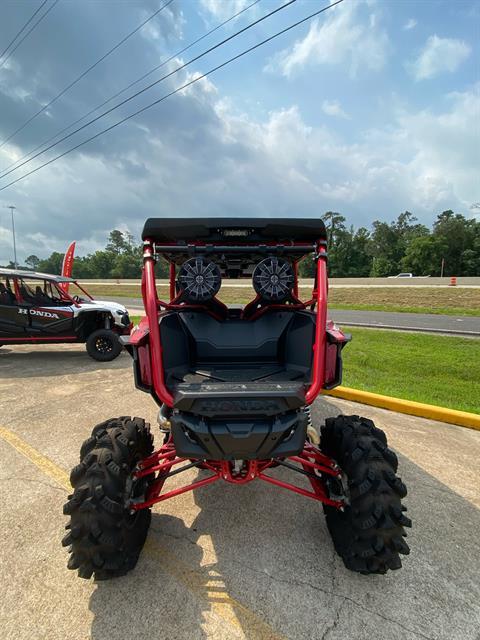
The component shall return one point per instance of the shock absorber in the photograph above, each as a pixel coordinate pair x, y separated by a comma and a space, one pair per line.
312, 433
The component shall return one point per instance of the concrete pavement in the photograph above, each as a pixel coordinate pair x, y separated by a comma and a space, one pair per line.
224, 562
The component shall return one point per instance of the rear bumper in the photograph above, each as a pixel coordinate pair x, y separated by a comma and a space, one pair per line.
246, 438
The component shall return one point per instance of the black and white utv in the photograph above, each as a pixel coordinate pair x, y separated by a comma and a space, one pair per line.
38, 308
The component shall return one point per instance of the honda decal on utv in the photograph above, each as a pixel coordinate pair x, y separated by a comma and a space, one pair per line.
37, 308
234, 386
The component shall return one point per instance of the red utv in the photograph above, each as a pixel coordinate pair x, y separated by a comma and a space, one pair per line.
234, 386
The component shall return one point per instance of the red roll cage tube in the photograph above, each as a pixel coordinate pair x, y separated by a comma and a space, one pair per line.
62, 293
152, 306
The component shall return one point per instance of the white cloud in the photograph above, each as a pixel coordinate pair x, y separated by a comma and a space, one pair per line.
349, 35
438, 56
410, 24
230, 163
196, 154
446, 148
224, 9
334, 108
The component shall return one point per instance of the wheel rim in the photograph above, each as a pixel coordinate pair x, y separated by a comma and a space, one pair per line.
104, 345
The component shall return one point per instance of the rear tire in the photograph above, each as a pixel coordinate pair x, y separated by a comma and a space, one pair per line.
103, 345
104, 539
369, 534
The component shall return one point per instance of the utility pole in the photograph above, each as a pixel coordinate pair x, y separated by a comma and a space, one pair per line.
12, 209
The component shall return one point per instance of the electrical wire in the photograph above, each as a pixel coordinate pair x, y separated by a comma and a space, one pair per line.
82, 75
171, 73
177, 90
162, 64
29, 31
22, 29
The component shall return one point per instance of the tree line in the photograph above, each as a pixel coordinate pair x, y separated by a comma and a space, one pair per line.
452, 244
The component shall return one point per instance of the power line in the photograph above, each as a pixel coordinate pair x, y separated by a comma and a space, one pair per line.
22, 29
171, 73
82, 75
162, 64
28, 32
171, 93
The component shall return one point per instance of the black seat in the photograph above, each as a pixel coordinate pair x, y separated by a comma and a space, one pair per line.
6, 296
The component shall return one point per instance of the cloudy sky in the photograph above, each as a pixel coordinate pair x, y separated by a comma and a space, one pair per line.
370, 109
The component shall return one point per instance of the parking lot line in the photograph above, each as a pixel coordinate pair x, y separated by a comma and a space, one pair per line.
48, 467
212, 591
209, 586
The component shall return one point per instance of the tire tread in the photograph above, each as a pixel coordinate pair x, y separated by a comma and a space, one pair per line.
369, 534
100, 536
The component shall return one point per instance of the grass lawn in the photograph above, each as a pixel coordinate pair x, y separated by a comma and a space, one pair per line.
438, 370
433, 369
438, 300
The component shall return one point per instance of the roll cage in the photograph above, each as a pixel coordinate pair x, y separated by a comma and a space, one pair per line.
52, 285
234, 244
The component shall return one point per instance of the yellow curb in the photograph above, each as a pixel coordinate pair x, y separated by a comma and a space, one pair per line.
431, 411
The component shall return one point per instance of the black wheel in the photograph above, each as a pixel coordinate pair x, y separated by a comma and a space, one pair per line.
103, 345
369, 534
103, 537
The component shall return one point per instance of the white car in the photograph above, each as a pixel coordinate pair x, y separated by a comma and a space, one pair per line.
403, 275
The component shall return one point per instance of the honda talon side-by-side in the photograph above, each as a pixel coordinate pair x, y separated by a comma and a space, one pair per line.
37, 308
234, 385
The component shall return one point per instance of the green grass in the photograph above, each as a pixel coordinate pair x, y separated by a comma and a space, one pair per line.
437, 300
439, 370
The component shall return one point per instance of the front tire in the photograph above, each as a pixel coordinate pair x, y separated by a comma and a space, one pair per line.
104, 539
369, 534
103, 345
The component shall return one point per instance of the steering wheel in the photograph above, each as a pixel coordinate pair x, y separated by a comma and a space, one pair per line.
77, 299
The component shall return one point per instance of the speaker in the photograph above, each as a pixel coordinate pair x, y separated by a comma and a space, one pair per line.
199, 280
273, 279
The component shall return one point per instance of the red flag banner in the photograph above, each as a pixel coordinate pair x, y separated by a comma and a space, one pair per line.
67, 267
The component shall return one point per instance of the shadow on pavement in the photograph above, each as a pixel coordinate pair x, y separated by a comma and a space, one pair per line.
256, 563
34, 361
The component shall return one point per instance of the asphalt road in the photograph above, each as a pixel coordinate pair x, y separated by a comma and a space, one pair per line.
224, 562
455, 325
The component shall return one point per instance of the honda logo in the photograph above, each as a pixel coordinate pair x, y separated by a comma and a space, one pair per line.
40, 314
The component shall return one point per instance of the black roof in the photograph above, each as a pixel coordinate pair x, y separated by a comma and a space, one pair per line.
234, 229
33, 275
